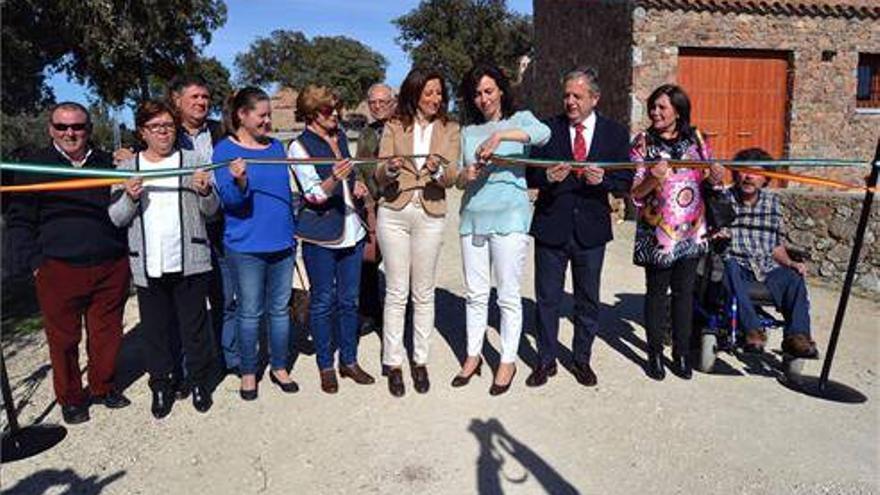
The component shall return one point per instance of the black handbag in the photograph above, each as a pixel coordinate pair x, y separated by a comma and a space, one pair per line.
720, 211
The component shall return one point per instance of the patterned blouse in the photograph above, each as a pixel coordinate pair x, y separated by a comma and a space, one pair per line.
671, 221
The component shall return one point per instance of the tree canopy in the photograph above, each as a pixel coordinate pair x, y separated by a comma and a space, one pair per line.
453, 35
290, 59
112, 47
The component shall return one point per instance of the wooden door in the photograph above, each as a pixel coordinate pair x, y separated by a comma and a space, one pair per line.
739, 98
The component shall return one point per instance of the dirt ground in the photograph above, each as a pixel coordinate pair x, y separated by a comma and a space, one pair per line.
734, 431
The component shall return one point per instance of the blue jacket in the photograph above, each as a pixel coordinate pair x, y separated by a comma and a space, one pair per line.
573, 207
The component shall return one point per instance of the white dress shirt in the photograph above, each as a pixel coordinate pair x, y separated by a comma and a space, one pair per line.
161, 206
308, 177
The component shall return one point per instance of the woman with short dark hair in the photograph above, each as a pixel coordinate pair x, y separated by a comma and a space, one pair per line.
495, 215
258, 234
412, 216
169, 254
671, 228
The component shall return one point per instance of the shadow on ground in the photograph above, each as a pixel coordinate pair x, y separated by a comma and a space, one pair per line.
501, 452
65, 482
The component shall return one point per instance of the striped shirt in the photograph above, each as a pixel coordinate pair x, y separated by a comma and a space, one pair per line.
756, 232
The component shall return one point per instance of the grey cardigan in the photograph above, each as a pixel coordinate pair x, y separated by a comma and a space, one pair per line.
194, 209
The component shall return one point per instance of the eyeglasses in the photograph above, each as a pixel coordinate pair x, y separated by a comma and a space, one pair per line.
386, 101
64, 127
156, 128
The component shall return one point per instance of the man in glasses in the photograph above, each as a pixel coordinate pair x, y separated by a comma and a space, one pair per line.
382, 103
78, 259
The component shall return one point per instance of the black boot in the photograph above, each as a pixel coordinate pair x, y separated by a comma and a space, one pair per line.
201, 398
655, 366
163, 400
682, 366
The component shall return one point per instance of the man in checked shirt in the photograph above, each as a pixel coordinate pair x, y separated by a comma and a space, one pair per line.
757, 253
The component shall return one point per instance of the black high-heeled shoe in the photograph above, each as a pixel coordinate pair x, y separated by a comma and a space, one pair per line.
290, 387
461, 380
496, 389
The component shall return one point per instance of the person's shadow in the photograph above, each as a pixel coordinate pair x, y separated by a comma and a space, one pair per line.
54, 479
498, 447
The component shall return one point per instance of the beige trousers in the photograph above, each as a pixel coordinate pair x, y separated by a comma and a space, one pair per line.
410, 241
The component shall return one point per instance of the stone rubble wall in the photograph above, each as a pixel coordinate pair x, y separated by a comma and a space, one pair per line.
824, 225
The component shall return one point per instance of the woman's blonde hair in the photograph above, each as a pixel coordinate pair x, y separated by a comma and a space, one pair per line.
313, 98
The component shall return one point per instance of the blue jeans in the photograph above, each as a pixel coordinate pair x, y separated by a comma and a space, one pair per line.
227, 281
335, 277
787, 288
264, 284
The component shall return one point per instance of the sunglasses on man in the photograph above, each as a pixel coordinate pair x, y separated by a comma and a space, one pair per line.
64, 127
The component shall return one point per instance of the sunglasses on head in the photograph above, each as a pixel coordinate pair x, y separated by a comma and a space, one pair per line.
63, 127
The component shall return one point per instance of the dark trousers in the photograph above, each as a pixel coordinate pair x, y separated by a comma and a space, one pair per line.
167, 297
67, 294
586, 269
787, 288
681, 276
370, 306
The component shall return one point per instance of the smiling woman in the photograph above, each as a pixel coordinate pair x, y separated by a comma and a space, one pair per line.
169, 254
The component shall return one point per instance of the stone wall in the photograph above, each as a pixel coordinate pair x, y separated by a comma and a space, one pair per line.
824, 225
823, 121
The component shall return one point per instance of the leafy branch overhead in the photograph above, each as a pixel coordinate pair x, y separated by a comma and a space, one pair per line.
112, 47
290, 59
453, 35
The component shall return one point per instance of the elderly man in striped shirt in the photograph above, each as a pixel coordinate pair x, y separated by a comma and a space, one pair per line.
757, 253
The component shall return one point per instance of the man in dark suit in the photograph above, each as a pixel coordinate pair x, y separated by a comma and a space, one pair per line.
572, 222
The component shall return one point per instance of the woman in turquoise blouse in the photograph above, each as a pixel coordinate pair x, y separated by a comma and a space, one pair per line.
495, 215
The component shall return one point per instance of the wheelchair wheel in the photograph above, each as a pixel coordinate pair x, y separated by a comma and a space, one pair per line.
793, 367
708, 347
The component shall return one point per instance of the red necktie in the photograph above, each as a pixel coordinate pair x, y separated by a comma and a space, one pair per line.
580, 148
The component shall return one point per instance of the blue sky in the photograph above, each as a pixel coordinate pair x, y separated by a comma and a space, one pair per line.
368, 21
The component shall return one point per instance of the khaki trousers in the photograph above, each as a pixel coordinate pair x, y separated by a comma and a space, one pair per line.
410, 241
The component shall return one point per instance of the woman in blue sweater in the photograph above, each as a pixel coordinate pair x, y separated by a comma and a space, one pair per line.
495, 215
258, 235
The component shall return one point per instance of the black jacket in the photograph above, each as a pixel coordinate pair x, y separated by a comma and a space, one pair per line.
71, 226
573, 207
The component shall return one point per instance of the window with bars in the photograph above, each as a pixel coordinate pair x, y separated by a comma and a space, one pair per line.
868, 86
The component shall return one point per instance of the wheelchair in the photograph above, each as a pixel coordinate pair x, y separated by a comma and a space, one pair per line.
716, 313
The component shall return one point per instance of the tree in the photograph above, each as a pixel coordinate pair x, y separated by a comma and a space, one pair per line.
452, 35
112, 47
290, 59
214, 73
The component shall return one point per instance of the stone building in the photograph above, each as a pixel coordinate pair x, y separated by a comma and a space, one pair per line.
800, 78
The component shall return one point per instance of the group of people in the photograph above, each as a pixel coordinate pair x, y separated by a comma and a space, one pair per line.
227, 239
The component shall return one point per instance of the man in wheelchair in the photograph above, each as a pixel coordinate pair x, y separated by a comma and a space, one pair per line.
757, 256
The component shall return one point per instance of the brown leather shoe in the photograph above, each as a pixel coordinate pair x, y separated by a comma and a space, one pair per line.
584, 374
395, 382
755, 340
540, 375
356, 373
328, 381
800, 346
420, 379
